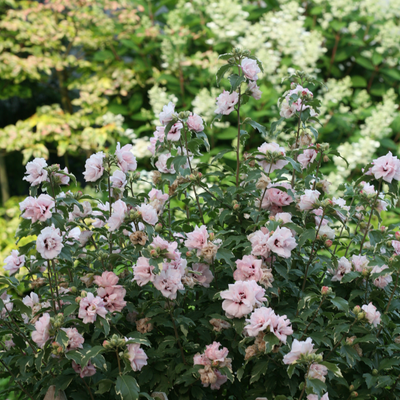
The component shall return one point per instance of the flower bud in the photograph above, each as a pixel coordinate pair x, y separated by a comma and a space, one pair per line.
236, 206
189, 254
325, 290
351, 388
354, 394
154, 253
293, 85
83, 293
73, 289
383, 228
326, 158
365, 272
397, 234
361, 316
328, 243
78, 299
375, 372
158, 227
356, 310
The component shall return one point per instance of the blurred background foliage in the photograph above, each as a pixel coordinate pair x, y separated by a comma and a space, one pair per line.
76, 76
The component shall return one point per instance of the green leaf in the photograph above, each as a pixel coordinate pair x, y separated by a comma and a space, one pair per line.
358, 81
259, 369
309, 234
127, 388
221, 72
375, 236
270, 341
333, 368
104, 386
317, 386
177, 162
202, 135
63, 381
93, 352
256, 125
70, 309
350, 277
341, 304
62, 338
226, 255
275, 124
235, 81
291, 369
295, 164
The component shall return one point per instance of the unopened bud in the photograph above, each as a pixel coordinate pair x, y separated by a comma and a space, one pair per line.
212, 236
354, 394
351, 388
356, 310
78, 299
293, 85
326, 158
328, 243
361, 316
397, 234
189, 254
73, 289
365, 272
158, 227
383, 228
153, 252
375, 372
325, 290
236, 206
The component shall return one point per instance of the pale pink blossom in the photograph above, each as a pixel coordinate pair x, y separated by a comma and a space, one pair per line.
248, 268
94, 167
126, 159
326, 232
300, 91
317, 371
226, 102
381, 205
315, 397
195, 123
203, 275
41, 333
287, 111
386, 167
35, 172
298, 349
107, 278
344, 267
113, 297
90, 307
61, 179
260, 320
276, 198
383, 280
282, 242
174, 133
201, 359
319, 212
259, 243
49, 242
119, 212
148, 213
197, 239
367, 189
143, 271
373, 316
8, 344
87, 371
361, 262
308, 199
221, 379
167, 113
161, 164
118, 181
254, 90
250, 68
396, 246
168, 283
282, 329
269, 149
214, 353
14, 262
307, 157
78, 213
137, 356
241, 298
169, 249
283, 217
75, 339
39, 209
157, 199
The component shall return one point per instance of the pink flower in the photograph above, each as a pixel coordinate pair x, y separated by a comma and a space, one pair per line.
49, 242
373, 316
113, 297
308, 199
260, 320
344, 267
367, 189
77, 213
94, 167
75, 339
381, 205
203, 276
162, 245
317, 371
143, 271
118, 181
250, 68
326, 232
286, 110
259, 243
249, 268
396, 246
277, 197
226, 102
90, 307
282, 329
148, 213
126, 159
283, 217
383, 280
214, 353
167, 113
315, 397
175, 132
360, 262
168, 283
241, 297
61, 179
282, 242
39, 209
161, 164
318, 212
41, 335
136, 355
201, 359
107, 278
35, 171
307, 157
254, 90
221, 379
299, 348
300, 91
8, 304
386, 167
118, 215
195, 123
197, 239
157, 199
87, 371
14, 262
269, 149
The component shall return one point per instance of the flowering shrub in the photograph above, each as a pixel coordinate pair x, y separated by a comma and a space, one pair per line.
247, 281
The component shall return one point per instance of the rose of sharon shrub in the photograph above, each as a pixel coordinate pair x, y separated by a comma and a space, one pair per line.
249, 283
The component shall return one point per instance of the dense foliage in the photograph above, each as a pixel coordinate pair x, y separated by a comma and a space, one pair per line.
230, 282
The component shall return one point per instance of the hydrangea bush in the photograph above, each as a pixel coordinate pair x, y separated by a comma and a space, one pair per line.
242, 281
